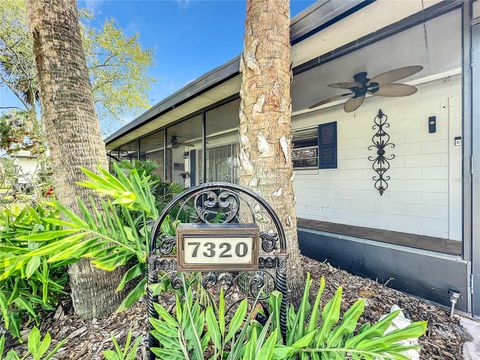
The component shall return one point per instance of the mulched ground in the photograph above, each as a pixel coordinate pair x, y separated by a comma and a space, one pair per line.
444, 338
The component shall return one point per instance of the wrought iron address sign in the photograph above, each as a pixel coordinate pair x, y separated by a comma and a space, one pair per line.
212, 247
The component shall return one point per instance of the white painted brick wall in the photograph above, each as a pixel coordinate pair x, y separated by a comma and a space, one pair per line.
424, 194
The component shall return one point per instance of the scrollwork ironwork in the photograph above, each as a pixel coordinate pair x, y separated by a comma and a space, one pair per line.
176, 281
269, 241
381, 142
166, 265
166, 245
267, 262
212, 205
209, 280
226, 280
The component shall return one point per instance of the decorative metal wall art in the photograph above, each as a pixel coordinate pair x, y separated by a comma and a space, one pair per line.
219, 205
381, 161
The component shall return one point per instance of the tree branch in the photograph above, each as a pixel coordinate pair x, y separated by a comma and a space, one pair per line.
12, 107
12, 88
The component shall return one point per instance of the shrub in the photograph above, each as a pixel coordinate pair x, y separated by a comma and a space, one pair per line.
117, 236
30, 284
313, 332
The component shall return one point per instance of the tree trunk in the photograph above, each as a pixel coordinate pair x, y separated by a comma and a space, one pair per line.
265, 118
73, 133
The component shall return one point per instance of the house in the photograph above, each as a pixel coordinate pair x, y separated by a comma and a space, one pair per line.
386, 143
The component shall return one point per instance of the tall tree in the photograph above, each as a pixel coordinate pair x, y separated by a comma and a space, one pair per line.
117, 64
73, 133
265, 117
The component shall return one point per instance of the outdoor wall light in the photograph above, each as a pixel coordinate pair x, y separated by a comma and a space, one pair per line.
432, 124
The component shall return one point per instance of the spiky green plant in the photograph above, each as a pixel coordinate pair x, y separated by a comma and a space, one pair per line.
36, 347
313, 332
28, 285
318, 333
129, 351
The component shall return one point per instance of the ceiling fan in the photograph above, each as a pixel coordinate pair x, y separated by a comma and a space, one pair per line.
175, 142
381, 85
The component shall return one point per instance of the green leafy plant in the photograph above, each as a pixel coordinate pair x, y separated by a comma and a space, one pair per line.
321, 333
28, 285
196, 331
128, 352
313, 332
36, 347
119, 236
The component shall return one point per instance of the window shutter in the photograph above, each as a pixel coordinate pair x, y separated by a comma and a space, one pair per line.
327, 145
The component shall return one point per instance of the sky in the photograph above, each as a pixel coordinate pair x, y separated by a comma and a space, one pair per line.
188, 37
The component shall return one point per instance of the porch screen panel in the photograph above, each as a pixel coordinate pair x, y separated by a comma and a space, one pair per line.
222, 142
152, 149
184, 146
128, 151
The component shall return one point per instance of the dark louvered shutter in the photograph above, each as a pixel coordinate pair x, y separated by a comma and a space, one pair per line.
327, 145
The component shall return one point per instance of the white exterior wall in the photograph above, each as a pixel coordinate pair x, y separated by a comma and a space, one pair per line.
27, 166
424, 194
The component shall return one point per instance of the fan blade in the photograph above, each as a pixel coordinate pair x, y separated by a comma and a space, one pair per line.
345, 85
353, 103
397, 74
393, 90
326, 101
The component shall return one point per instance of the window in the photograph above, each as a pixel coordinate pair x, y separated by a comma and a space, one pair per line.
315, 148
305, 149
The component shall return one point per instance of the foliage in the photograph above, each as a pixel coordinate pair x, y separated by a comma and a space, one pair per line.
116, 62
117, 236
128, 352
194, 327
334, 337
161, 190
17, 71
36, 348
19, 131
196, 332
118, 69
28, 285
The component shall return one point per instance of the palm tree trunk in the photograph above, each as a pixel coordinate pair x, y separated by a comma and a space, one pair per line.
265, 118
72, 131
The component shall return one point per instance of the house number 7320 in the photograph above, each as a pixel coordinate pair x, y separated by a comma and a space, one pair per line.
224, 249
212, 250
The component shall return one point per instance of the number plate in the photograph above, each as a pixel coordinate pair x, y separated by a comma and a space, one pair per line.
210, 247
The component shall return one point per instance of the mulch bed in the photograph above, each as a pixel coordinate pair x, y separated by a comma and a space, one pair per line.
444, 338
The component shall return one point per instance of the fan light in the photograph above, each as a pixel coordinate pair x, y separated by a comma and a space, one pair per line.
380, 85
